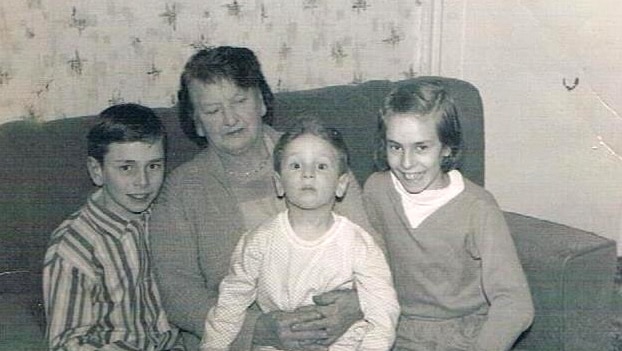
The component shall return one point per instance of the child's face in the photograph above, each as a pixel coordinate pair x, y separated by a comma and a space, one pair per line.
415, 153
310, 177
131, 176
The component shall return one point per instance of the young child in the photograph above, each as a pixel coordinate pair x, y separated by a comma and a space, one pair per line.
307, 250
98, 284
457, 275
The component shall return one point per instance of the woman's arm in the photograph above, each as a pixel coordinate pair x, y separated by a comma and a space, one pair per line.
174, 250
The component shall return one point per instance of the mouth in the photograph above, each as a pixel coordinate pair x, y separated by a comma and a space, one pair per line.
139, 197
413, 176
234, 132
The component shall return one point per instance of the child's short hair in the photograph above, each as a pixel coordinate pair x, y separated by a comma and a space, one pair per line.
310, 125
124, 123
423, 98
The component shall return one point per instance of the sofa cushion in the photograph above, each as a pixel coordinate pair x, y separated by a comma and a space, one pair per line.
22, 319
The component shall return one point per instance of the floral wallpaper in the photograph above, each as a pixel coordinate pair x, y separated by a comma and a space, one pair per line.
64, 58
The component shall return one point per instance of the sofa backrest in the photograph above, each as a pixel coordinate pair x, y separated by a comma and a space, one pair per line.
354, 110
43, 175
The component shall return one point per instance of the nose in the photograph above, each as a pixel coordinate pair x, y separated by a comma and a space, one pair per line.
409, 159
230, 117
142, 179
308, 173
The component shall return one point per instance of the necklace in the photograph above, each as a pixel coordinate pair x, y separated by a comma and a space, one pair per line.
251, 173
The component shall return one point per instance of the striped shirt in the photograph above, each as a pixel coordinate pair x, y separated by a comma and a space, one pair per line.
98, 285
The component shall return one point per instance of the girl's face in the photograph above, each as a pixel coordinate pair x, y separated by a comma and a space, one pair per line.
414, 152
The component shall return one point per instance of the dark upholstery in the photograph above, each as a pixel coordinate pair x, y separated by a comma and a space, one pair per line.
43, 179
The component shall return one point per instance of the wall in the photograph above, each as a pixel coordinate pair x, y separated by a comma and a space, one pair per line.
553, 143
63, 58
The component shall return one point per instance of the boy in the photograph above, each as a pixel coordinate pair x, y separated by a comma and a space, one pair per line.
98, 285
307, 250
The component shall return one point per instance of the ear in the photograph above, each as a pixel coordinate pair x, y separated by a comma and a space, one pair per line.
446, 152
280, 192
198, 127
264, 109
95, 171
342, 185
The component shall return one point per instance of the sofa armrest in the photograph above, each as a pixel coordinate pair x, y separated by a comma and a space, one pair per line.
570, 274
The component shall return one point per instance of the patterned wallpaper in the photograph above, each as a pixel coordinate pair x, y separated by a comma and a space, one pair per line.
63, 58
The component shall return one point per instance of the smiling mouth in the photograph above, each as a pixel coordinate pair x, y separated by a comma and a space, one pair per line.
139, 197
413, 176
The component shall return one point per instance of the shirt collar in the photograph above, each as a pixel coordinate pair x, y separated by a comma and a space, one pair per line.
110, 221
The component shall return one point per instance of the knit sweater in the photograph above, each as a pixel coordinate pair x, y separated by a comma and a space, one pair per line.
196, 224
459, 261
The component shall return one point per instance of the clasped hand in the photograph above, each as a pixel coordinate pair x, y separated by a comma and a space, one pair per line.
310, 328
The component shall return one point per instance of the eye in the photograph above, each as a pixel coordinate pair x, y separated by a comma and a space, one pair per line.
155, 166
125, 168
322, 166
294, 165
240, 100
422, 148
212, 111
395, 147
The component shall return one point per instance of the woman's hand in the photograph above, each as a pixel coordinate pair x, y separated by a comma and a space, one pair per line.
278, 329
310, 328
339, 309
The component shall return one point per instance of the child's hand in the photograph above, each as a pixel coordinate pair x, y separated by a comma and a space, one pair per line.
278, 329
339, 309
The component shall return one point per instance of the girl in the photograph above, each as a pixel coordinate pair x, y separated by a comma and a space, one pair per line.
458, 278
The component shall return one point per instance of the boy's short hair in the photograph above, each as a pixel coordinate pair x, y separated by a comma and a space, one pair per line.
423, 98
124, 123
236, 64
311, 126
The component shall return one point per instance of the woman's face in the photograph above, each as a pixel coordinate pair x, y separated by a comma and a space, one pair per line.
415, 153
227, 115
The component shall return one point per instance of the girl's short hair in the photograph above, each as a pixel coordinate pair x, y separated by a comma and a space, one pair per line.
236, 64
311, 126
422, 98
123, 123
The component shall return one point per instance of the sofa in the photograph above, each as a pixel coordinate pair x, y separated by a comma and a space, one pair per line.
43, 179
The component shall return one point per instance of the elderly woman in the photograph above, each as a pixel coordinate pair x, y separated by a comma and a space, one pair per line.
227, 189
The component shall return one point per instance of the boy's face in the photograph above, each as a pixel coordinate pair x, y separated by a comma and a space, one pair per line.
310, 176
131, 176
415, 153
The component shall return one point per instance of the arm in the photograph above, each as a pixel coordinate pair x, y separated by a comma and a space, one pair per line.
65, 288
353, 207
378, 298
504, 283
174, 249
238, 291
371, 211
